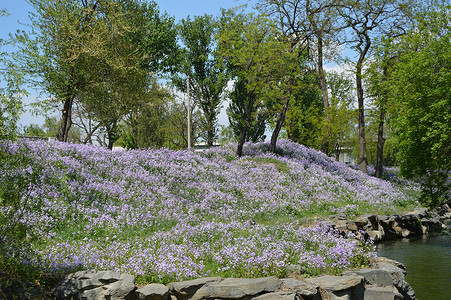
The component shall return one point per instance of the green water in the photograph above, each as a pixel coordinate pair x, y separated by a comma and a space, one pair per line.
428, 264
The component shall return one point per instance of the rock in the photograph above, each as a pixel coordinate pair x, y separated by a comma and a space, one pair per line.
92, 294
338, 217
375, 277
432, 224
297, 269
87, 284
339, 287
185, 289
235, 288
277, 296
376, 235
110, 276
371, 222
154, 291
328, 223
405, 232
120, 289
300, 287
336, 283
381, 293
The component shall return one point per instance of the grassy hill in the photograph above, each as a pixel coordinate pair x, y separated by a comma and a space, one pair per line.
167, 215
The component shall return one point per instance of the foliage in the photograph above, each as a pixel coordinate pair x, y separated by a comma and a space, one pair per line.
304, 116
19, 175
96, 53
161, 122
420, 92
207, 79
169, 215
261, 57
236, 112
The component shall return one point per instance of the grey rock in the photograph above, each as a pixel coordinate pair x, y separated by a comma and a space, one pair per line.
185, 289
278, 296
93, 294
406, 232
67, 288
300, 287
294, 269
376, 277
381, 293
122, 288
235, 288
338, 217
371, 220
110, 276
328, 223
89, 274
336, 283
376, 235
154, 291
87, 284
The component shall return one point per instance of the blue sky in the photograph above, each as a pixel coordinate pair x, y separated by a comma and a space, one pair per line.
18, 16
179, 9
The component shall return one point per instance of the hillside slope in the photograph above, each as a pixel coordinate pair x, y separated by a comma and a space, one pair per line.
166, 215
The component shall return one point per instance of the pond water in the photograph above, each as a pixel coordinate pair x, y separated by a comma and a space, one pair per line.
428, 263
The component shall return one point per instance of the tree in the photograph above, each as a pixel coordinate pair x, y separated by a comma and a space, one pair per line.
313, 24
206, 78
365, 20
420, 93
236, 113
341, 114
78, 47
246, 44
267, 61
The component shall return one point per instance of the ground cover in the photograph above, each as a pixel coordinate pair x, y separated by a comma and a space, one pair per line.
165, 215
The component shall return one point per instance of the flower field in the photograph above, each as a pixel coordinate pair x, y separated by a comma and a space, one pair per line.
167, 215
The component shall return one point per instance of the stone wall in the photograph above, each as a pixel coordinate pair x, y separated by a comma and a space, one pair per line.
413, 224
383, 281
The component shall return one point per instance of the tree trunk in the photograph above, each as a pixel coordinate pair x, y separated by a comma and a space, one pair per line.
380, 145
380, 134
361, 121
361, 108
66, 119
210, 131
239, 150
325, 95
279, 123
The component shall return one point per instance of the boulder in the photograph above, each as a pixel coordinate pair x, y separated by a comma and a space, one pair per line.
277, 296
300, 287
372, 221
336, 283
376, 235
186, 289
381, 293
95, 285
120, 289
236, 288
375, 277
339, 287
153, 291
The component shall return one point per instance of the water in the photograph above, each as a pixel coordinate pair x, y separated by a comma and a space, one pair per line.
428, 264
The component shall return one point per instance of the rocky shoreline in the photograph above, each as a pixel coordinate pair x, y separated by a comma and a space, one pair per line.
384, 280
379, 228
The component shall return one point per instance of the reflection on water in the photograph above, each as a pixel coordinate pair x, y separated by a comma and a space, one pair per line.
428, 263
